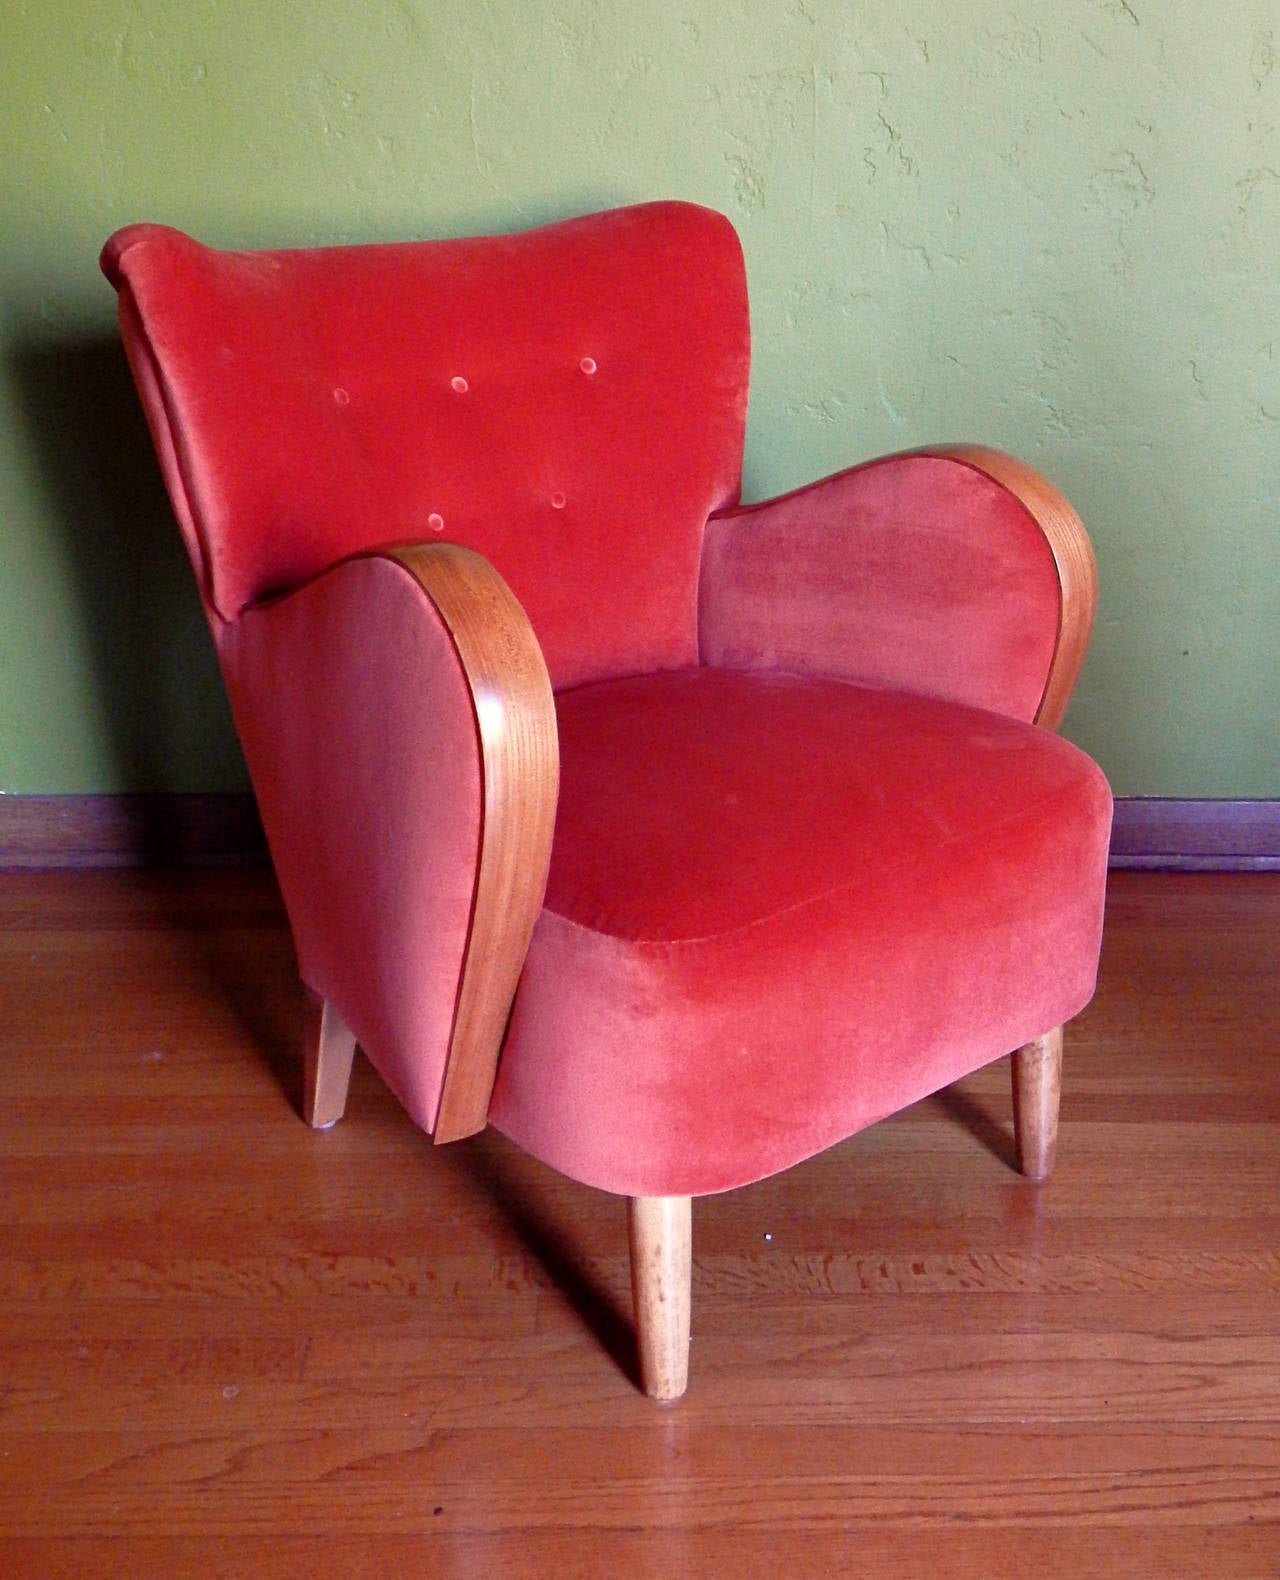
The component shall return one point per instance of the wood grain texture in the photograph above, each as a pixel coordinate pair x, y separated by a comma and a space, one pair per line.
660, 1234
1072, 553
516, 728
1037, 1092
329, 1050
233, 1346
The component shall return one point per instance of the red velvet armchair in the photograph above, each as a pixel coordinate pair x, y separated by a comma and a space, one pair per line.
677, 839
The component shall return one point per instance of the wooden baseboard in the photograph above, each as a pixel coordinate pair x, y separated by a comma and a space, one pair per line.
223, 830
85, 831
1170, 835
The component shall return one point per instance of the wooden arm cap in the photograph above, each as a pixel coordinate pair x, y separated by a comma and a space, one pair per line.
516, 730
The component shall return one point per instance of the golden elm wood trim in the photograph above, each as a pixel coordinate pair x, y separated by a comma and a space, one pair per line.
519, 746
660, 1233
1037, 1089
328, 1053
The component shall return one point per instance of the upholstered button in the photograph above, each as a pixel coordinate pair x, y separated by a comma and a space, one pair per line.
459, 384
557, 500
588, 365
435, 521
341, 398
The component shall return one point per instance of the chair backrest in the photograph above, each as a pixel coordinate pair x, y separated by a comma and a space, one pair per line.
570, 401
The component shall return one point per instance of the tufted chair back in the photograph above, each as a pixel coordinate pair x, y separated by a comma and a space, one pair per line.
570, 402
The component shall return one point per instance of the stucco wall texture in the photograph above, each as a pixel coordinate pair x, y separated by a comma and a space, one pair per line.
1048, 226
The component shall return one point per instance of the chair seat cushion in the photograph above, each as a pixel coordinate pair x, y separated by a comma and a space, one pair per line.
781, 908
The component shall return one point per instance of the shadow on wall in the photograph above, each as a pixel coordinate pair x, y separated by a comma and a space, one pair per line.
157, 678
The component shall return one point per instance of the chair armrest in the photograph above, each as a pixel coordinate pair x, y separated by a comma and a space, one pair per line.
399, 727
956, 571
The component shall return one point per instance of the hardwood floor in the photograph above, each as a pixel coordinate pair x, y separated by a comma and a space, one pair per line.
230, 1346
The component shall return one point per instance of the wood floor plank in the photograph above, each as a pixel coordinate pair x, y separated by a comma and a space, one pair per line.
231, 1346
670, 1552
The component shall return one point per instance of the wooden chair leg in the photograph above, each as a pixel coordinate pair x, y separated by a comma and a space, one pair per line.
329, 1051
662, 1289
1037, 1087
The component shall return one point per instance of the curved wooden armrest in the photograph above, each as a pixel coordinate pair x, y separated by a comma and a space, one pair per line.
516, 726
1072, 552
399, 725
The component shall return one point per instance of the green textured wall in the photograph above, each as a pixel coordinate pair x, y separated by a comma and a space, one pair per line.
1050, 226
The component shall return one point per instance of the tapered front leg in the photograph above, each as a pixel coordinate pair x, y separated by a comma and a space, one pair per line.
662, 1289
328, 1055
1037, 1087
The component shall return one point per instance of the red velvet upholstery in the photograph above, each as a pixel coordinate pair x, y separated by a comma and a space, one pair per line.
913, 571
811, 862
781, 908
535, 397
353, 709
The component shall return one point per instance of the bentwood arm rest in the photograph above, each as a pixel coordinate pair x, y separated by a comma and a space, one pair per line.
400, 730
956, 571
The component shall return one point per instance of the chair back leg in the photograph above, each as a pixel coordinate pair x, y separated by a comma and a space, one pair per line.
662, 1287
1037, 1087
328, 1053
